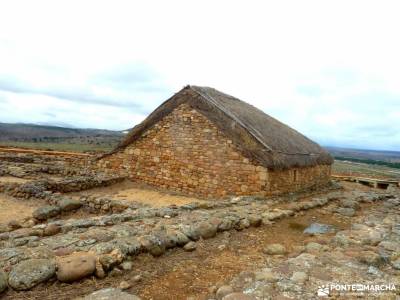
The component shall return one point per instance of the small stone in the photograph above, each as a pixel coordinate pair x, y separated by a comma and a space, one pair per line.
126, 265
109, 294
153, 245
14, 224
124, 285
30, 273
3, 281
313, 247
115, 272
350, 203
137, 278
266, 275
75, 267
238, 296
299, 277
191, 246
99, 271
275, 249
223, 291
63, 251
396, 264
317, 228
370, 258
348, 212
390, 246
46, 212
373, 270
51, 229
69, 204
206, 229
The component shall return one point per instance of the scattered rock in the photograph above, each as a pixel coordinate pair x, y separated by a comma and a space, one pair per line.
266, 275
109, 294
137, 278
223, 291
31, 272
46, 212
124, 285
370, 258
299, 277
99, 272
191, 246
238, 296
345, 211
275, 249
390, 246
396, 264
51, 229
317, 228
349, 203
115, 272
3, 281
313, 247
108, 261
206, 229
126, 265
75, 267
153, 244
69, 204
14, 224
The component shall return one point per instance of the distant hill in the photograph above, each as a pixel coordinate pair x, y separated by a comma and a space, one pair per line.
362, 154
58, 138
29, 132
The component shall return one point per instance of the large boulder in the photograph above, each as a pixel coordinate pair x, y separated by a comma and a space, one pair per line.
46, 212
75, 266
31, 272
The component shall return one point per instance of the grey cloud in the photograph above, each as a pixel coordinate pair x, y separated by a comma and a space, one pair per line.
131, 85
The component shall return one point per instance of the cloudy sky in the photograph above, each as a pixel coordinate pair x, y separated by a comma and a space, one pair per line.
330, 69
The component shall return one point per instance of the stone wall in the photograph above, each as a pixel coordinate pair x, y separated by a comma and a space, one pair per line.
186, 153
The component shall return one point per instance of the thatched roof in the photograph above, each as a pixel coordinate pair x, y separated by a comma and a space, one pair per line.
259, 136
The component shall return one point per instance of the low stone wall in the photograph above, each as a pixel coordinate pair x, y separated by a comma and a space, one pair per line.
30, 165
44, 188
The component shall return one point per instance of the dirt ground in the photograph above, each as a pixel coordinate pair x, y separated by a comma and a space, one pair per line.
12, 179
131, 191
17, 209
178, 274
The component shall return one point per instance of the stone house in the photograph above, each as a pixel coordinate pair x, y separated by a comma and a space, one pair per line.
206, 143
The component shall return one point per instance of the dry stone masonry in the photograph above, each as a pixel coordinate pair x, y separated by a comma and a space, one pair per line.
185, 152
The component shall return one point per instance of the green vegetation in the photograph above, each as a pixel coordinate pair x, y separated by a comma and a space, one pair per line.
395, 165
364, 170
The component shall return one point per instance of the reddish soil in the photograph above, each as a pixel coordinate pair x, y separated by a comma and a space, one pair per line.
17, 209
131, 191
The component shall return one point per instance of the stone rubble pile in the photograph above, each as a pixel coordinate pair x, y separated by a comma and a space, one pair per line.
43, 188
110, 241
368, 254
